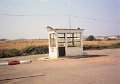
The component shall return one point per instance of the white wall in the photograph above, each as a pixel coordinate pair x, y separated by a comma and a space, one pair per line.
53, 52
74, 51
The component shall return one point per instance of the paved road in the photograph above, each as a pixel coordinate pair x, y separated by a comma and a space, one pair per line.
103, 68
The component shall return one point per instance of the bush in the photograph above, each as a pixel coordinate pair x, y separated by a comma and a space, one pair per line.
116, 45
32, 50
9, 53
93, 47
90, 38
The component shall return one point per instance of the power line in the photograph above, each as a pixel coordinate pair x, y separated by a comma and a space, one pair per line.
96, 19
12, 15
6, 14
87, 18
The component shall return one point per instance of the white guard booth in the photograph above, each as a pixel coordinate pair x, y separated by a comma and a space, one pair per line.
65, 42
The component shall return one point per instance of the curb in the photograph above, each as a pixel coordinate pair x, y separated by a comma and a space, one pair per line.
15, 62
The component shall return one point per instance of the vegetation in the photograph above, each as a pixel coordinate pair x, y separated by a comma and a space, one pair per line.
32, 50
90, 38
23, 48
92, 47
20, 44
9, 53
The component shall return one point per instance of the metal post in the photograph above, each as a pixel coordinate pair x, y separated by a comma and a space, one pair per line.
70, 21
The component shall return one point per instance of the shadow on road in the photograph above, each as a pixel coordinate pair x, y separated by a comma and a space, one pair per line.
83, 56
21, 77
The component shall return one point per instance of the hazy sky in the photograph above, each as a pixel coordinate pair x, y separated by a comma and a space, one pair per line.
28, 18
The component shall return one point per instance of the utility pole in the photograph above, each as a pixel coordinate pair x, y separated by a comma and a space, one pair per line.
70, 21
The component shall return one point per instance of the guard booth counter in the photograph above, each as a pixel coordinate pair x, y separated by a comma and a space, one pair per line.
65, 42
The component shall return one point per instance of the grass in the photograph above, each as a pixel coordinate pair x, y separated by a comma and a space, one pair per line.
20, 44
88, 45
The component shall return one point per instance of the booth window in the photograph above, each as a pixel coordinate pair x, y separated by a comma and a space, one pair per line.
73, 39
61, 39
52, 40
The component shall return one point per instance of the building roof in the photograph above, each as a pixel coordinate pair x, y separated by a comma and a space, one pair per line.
50, 29
69, 29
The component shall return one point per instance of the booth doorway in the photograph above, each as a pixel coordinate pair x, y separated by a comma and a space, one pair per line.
61, 51
61, 44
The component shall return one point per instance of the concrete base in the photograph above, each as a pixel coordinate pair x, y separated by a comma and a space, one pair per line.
49, 58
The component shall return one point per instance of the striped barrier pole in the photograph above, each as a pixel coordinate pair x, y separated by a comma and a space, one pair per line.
15, 62
3, 63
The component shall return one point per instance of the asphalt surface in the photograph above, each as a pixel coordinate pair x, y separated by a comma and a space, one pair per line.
96, 67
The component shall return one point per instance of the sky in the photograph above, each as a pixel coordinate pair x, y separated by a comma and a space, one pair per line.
28, 18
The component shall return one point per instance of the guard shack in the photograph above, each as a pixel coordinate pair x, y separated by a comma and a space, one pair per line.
65, 42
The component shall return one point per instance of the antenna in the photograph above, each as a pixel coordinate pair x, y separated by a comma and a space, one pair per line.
70, 21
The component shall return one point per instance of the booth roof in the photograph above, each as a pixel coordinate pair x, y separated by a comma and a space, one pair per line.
69, 29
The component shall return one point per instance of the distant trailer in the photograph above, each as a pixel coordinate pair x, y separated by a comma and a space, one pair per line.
65, 42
